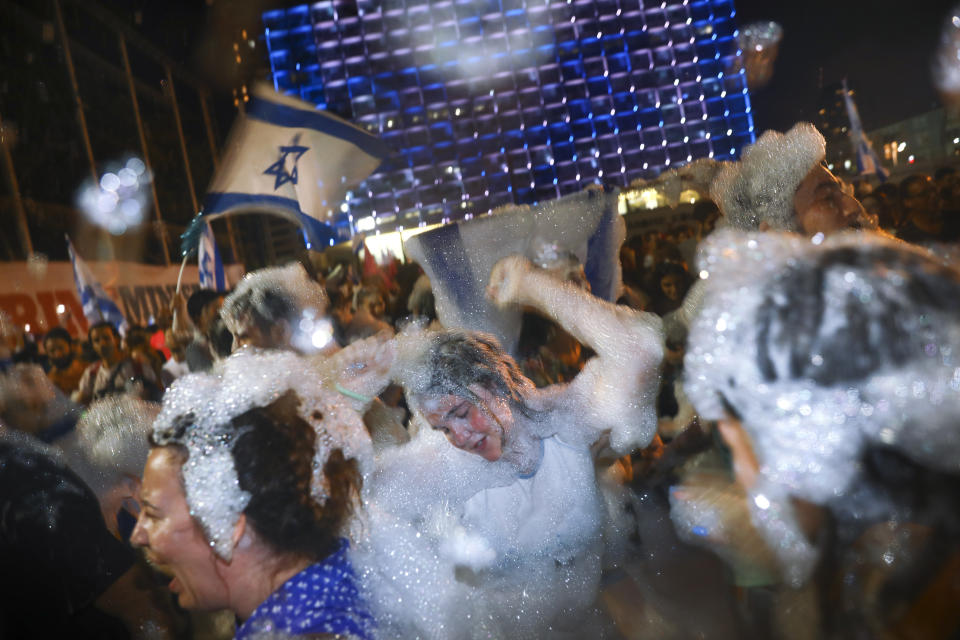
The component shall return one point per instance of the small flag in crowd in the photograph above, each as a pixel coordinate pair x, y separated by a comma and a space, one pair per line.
287, 157
458, 257
210, 265
97, 305
867, 161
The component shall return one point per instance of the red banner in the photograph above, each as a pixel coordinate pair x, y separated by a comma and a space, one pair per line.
32, 293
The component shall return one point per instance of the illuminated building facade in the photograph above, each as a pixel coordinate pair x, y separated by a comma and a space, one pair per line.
495, 102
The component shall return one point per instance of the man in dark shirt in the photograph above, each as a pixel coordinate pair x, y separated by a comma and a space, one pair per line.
64, 574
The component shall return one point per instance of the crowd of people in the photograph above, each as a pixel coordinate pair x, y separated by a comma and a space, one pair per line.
758, 438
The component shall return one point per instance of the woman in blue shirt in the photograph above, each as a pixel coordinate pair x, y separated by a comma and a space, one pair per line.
246, 512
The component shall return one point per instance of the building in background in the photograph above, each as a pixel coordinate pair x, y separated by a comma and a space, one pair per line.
920, 144
497, 102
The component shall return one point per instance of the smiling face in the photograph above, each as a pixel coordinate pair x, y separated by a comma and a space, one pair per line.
173, 541
822, 206
467, 425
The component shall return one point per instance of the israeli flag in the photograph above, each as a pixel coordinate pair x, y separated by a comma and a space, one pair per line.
211, 267
287, 157
868, 163
458, 257
97, 305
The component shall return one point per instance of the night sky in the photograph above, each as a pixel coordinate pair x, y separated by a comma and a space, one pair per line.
883, 47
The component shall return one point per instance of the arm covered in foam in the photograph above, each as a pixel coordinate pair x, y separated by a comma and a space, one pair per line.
616, 390
361, 370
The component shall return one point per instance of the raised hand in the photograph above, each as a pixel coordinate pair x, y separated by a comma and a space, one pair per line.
506, 279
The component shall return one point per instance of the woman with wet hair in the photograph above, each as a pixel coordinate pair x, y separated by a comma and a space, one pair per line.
244, 504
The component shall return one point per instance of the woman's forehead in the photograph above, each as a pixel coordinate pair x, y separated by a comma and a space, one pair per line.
439, 403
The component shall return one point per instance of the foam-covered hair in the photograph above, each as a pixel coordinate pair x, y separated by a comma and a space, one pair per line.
824, 347
197, 412
760, 187
827, 350
112, 437
275, 295
448, 362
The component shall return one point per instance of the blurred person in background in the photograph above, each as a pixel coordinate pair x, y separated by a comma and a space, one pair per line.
64, 574
197, 330
137, 344
114, 371
920, 203
30, 403
66, 368
948, 184
279, 308
369, 318
672, 281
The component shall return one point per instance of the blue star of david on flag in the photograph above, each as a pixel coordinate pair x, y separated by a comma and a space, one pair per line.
279, 168
276, 133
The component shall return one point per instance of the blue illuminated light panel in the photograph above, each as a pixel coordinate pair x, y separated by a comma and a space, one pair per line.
514, 101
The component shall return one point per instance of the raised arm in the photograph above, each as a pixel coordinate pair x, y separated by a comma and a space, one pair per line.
616, 390
361, 371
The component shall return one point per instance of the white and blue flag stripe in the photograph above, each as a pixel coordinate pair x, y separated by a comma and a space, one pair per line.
868, 163
287, 157
458, 257
97, 305
210, 266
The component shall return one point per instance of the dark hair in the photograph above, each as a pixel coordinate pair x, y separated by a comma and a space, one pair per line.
943, 172
887, 190
58, 333
101, 325
915, 178
138, 336
262, 307
198, 300
274, 459
890, 326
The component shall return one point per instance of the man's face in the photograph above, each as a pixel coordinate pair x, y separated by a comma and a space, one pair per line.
822, 206
467, 426
104, 342
173, 542
59, 351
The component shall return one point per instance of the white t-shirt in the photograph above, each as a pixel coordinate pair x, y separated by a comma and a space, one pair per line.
555, 511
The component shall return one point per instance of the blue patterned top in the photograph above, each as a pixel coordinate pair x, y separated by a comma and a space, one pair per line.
323, 598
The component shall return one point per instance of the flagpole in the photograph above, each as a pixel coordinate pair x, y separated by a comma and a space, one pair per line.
81, 118
143, 148
23, 228
183, 142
